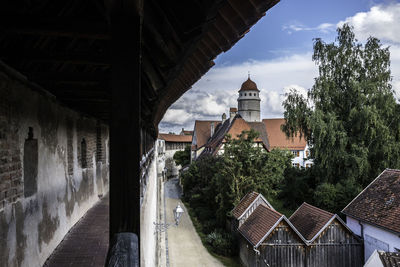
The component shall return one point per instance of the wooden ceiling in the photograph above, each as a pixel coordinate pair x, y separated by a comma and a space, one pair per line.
63, 47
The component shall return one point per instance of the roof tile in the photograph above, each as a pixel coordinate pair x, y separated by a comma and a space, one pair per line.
309, 220
278, 139
379, 203
203, 131
175, 138
244, 204
259, 223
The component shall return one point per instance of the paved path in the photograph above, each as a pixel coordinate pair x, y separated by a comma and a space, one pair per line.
86, 244
184, 245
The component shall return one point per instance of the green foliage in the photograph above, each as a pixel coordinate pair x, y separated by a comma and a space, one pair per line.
214, 185
222, 243
351, 119
182, 157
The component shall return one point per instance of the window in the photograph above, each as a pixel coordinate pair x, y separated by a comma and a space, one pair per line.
296, 165
99, 145
83, 153
308, 165
30, 164
307, 153
245, 94
249, 94
296, 153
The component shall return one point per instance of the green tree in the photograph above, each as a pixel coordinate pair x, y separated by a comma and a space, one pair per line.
350, 118
216, 184
182, 157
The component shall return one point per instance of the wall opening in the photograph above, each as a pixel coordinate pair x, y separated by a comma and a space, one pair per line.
70, 149
83, 153
99, 146
30, 164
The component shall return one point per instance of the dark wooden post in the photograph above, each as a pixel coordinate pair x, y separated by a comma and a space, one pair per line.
125, 21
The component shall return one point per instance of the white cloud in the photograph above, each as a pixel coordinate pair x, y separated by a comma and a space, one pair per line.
218, 89
381, 21
297, 27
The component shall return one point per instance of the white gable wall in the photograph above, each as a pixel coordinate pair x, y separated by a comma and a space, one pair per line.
374, 237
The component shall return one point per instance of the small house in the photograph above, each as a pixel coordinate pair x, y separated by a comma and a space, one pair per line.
380, 258
329, 241
246, 207
311, 237
374, 214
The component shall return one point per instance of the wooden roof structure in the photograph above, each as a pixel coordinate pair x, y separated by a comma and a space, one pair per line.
64, 47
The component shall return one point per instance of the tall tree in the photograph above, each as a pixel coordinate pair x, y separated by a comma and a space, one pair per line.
182, 157
350, 118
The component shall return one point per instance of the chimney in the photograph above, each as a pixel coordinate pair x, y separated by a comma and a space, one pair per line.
232, 113
223, 117
212, 129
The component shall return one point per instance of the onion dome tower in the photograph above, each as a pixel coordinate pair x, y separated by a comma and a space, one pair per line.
249, 101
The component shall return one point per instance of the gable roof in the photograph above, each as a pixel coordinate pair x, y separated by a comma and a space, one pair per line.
379, 202
202, 131
310, 220
261, 129
235, 128
259, 223
175, 138
389, 259
244, 203
278, 139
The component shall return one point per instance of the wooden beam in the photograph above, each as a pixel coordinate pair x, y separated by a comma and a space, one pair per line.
56, 26
125, 127
67, 77
87, 58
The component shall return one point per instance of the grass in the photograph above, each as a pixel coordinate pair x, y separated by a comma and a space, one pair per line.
227, 261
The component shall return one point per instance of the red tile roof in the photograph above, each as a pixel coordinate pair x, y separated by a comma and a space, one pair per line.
379, 203
309, 220
278, 139
244, 204
175, 138
248, 85
202, 130
259, 223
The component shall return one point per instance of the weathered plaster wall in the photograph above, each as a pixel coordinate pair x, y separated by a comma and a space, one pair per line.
149, 213
43, 188
374, 237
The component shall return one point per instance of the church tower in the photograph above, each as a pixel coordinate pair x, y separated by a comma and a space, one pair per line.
249, 101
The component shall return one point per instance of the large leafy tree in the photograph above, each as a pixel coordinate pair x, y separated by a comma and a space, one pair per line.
350, 118
182, 157
214, 185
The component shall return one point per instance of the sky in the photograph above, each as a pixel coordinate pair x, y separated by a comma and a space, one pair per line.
277, 52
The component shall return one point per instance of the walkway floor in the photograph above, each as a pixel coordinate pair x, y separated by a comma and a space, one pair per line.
184, 245
86, 244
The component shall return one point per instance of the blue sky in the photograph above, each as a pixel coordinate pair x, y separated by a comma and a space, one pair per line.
277, 52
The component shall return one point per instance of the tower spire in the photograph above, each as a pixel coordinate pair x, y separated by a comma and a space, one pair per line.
248, 74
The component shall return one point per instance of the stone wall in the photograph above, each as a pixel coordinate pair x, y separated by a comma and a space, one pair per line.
49, 177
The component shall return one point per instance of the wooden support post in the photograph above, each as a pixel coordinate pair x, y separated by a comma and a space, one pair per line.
125, 139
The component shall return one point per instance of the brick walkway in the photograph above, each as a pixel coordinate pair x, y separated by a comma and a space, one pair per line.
86, 244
